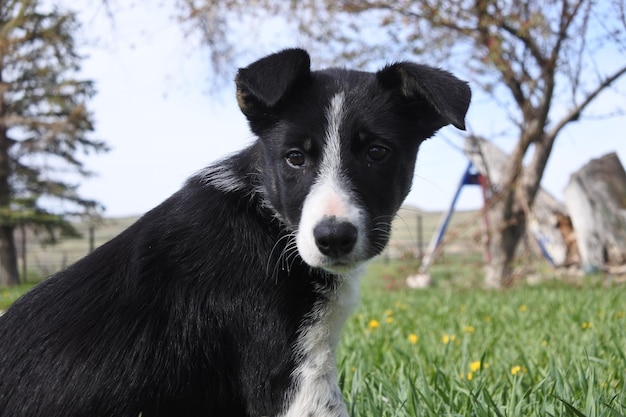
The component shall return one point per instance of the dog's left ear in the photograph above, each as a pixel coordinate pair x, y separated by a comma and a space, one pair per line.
448, 96
262, 85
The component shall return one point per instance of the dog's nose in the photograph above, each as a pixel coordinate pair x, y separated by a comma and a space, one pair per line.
335, 238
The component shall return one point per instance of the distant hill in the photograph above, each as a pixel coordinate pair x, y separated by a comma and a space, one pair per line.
464, 230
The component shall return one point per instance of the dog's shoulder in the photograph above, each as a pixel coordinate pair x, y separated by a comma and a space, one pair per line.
237, 173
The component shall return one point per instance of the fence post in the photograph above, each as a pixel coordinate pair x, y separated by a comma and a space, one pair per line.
92, 237
420, 237
24, 264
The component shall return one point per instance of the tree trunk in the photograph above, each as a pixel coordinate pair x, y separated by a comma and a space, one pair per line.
9, 274
509, 227
519, 190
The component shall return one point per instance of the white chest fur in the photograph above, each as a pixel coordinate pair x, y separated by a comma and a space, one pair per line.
317, 393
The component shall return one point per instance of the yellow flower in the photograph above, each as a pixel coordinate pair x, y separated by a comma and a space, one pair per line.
523, 308
518, 369
585, 325
470, 376
413, 338
475, 366
373, 324
447, 338
389, 320
469, 329
388, 312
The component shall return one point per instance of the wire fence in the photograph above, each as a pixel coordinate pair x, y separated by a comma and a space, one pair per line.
37, 260
411, 231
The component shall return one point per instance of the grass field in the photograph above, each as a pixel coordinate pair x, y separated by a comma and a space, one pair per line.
548, 350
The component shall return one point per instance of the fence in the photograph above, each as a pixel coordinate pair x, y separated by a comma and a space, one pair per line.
37, 260
410, 230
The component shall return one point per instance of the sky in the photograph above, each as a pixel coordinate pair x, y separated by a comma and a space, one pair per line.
155, 110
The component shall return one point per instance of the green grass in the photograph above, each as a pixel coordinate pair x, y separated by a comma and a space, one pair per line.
8, 295
550, 350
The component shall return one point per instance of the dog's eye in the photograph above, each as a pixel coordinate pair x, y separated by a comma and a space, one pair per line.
377, 153
295, 158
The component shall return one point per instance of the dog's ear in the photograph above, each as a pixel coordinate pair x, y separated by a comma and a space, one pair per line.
448, 96
263, 84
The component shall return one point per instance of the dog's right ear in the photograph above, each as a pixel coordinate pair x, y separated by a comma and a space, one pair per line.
263, 84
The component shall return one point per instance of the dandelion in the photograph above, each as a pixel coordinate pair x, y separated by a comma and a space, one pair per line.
475, 366
373, 324
523, 308
413, 338
585, 325
388, 320
470, 376
469, 329
388, 312
518, 369
447, 338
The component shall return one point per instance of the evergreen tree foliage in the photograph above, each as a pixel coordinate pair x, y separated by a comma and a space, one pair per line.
45, 125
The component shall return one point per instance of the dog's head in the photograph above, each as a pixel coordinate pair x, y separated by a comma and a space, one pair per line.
340, 146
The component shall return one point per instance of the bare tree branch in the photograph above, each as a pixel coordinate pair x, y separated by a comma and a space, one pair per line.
574, 114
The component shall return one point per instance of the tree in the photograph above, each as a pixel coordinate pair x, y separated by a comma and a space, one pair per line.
44, 125
539, 59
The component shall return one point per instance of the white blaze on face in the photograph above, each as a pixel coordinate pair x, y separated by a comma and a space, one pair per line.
330, 195
317, 393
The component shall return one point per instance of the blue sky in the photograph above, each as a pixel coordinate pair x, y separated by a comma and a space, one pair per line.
154, 109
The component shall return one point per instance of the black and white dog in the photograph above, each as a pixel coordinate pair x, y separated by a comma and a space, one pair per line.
227, 300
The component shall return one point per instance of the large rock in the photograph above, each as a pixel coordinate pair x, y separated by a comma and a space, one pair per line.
595, 198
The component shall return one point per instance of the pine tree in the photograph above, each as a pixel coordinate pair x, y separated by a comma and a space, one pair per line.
44, 125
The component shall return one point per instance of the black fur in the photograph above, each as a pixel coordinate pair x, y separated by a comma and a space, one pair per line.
195, 309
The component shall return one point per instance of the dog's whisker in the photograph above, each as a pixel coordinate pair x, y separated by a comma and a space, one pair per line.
287, 241
278, 243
